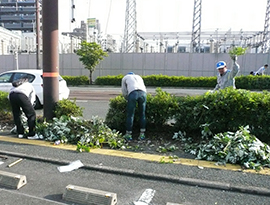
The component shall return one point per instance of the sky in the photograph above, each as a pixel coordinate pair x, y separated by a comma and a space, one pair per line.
166, 15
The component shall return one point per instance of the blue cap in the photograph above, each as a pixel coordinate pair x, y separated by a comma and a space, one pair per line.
130, 73
221, 64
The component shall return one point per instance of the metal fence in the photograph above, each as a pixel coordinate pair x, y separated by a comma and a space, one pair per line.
171, 64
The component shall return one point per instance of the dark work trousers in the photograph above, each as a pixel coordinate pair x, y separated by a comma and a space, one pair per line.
21, 101
134, 97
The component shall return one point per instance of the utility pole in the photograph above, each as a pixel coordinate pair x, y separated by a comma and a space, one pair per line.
50, 57
38, 34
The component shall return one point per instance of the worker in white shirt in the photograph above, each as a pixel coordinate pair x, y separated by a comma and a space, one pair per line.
22, 97
134, 90
225, 76
261, 70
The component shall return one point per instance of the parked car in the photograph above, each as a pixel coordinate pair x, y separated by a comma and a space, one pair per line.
36, 79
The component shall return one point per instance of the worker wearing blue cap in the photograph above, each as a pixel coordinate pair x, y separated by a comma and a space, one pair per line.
134, 90
226, 77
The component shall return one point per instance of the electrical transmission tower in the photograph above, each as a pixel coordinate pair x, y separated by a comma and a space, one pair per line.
196, 27
130, 35
265, 43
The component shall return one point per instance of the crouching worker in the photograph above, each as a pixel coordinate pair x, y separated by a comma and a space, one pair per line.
22, 97
134, 90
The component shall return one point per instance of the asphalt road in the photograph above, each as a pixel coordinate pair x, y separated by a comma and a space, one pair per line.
95, 99
126, 177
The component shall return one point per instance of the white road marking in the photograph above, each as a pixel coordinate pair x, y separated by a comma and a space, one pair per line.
146, 197
81, 100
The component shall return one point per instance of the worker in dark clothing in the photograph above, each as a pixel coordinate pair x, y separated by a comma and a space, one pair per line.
22, 97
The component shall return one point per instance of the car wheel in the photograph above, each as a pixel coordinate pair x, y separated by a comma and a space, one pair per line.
37, 104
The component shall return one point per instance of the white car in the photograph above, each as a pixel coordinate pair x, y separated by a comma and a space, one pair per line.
36, 79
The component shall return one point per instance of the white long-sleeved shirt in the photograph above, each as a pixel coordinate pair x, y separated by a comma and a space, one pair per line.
131, 82
227, 79
260, 71
27, 89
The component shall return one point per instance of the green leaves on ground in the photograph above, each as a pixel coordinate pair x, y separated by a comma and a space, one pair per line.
225, 110
238, 147
85, 133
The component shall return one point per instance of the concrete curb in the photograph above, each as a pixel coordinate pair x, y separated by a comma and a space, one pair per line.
160, 177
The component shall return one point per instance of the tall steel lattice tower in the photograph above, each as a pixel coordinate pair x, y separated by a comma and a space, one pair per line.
130, 35
265, 43
196, 27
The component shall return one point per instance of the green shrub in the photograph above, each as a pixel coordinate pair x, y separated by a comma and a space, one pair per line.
109, 80
4, 102
241, 82
76, 80
116, 115
5, 108
251, 82
179, 81
67, 108
159, 109
162, 80
226, 110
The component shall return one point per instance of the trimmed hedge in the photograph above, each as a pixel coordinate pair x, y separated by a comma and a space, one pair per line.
224, 110
179, 81
76, 80
251, 82
242, 82
109, 80
162, 80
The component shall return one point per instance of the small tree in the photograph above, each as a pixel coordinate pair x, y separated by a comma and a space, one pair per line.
90, 55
